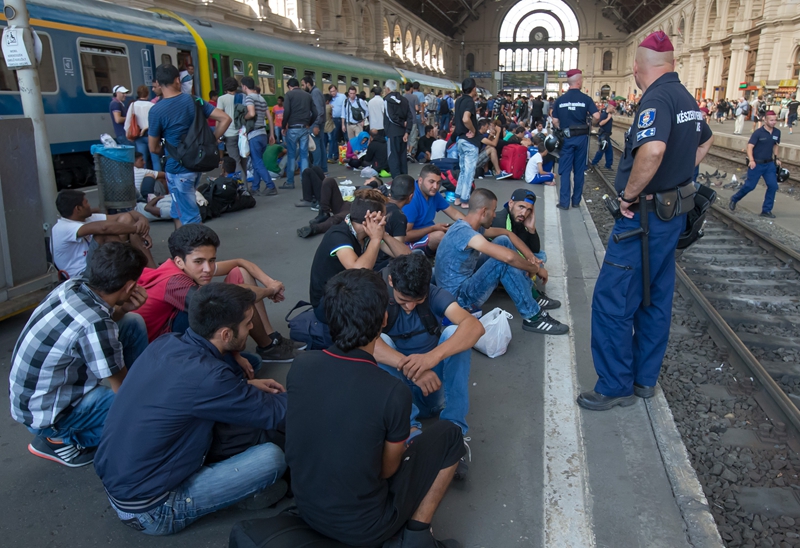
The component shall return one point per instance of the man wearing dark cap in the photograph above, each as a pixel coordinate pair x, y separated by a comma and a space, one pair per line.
570, 112
665, 142
762, 157
604, 135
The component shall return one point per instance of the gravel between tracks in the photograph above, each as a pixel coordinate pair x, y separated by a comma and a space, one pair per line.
691, 361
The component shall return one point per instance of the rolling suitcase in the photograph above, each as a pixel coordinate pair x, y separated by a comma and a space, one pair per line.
514, 159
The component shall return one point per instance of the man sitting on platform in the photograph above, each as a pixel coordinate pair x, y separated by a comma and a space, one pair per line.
172, 450
470, 267
434, 362
396, 223
422, 232
193, 264
357, 480
84, 331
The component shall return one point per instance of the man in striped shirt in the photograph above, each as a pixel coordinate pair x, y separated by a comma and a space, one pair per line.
82, 333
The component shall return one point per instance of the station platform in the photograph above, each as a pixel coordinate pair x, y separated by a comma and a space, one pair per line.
543, 473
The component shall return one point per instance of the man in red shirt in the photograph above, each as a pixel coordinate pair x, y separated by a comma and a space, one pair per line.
170, 288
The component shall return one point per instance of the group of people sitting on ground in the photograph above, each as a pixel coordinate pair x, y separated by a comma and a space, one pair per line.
167, 447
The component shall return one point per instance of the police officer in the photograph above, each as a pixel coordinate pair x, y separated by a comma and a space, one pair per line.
604, 135
667, 139
569, 114
762, 156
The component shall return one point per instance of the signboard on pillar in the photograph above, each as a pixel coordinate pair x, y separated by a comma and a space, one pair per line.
14, 49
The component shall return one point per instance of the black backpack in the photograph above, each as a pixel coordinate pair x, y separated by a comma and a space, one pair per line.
444, 108
423, 309
198, 151
221, 195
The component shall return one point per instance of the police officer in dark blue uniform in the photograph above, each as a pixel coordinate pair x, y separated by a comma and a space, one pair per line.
762, 157
604, 135
570, 113
667, 139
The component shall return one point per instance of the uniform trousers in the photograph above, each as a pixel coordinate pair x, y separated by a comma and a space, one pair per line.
572, 160
629, 340
608, 152
768, 171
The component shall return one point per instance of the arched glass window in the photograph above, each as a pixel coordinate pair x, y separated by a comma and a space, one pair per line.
387, 38
409, 47
554, 15
398, 42
470, 61
441, 60
607, 58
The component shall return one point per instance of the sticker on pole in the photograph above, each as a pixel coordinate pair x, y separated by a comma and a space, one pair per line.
14, 50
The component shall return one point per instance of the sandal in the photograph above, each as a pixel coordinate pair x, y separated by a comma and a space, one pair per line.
464, 205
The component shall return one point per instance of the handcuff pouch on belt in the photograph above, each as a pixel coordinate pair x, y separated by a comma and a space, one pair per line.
671, 203
696, 218
576, 131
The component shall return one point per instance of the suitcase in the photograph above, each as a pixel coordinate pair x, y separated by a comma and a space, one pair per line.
282, 531
514, 159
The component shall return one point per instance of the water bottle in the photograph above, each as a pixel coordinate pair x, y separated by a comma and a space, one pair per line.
108, 141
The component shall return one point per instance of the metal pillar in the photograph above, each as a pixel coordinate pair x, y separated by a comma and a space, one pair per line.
16, 12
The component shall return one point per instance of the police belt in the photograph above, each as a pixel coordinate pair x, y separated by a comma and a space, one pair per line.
668, 204
767, 161
576, 131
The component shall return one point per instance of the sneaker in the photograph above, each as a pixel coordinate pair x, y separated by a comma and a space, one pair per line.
303, 203
266, 498
323, 216
503, 175
546, 303
732, 205
544, 324
73, 456
332, 161
297, 345
287, 186
277, 352
767, 214
305, 231
463, 468
269, 192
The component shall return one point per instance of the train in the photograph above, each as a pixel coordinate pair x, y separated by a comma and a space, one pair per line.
90, 46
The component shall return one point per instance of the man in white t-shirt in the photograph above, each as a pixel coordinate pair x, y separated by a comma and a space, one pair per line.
147, 177
376, 106
79, 231
534, 173
438, 149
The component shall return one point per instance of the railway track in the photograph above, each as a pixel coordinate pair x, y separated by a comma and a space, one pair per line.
732, 374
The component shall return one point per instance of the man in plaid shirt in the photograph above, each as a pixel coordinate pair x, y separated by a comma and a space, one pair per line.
81, 333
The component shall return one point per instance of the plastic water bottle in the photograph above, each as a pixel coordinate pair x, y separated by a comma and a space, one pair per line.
108, 141
734, 180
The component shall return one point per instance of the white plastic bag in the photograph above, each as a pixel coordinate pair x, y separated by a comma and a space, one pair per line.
312, 144
244, 144
495, 341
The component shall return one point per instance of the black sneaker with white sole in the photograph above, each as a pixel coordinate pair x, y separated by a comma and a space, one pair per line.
73, 456
546, 325
277, 352
463, 468
546, 303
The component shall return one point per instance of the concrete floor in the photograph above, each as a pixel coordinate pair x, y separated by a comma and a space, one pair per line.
627, 500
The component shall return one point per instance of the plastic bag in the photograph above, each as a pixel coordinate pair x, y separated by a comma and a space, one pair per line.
244, 144
495, 341
312, 144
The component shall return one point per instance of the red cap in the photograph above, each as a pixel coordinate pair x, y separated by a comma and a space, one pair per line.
704, 110
612, 103
657, 41
770, 113
573, 72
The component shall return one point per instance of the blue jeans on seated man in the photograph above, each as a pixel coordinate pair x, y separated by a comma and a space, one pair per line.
477, 289
212, 488
296, 137
83, 425
451, 401
182, 187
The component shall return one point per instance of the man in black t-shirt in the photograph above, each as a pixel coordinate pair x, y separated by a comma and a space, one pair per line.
354, 477
468, 141
400, 194
424, 145
791, 118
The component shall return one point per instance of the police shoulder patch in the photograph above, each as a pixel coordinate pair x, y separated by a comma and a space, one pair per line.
645, 133
647, 117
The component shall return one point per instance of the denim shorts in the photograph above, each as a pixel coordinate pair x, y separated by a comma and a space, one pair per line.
184, 204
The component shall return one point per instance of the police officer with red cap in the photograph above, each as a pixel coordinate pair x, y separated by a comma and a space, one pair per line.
667, 139
762, 156
570, 113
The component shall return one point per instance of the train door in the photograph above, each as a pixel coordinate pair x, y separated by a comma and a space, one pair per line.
164, 54
225, 61
216, 73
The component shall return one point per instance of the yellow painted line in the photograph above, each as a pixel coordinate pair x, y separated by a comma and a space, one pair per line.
93, 32
202, 52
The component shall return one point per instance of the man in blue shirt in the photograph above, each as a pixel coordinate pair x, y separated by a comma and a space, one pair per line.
604, 136
185, 405
337, 112
432, 361
570, 112
117, 111
762, 157
422, 232
446, 114
170, 120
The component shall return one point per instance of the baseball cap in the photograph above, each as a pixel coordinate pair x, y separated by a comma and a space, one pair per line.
523, 195
120, 89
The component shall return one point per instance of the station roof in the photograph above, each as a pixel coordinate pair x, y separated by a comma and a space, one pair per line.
630, 15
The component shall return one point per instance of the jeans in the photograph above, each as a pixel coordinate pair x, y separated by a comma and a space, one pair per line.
329, 146
467, 161
319, 154
770, 178
132, 336
141, 145
293, 138
333, 144
214, 487
477, 289
278, 132
444, 122
258, 145
452, 399
184, 204
84, 424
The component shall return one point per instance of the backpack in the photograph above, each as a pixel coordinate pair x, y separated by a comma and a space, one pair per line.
356, 111
430, 103
429, 321
444, 108
198, 150
221, 194
745, 108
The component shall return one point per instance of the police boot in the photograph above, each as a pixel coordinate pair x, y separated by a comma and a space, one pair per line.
598, 402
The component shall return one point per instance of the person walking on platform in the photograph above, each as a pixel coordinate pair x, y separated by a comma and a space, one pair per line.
299, 114
664, 143
569, 114
762, 157
397, 126
604, 135
741, 113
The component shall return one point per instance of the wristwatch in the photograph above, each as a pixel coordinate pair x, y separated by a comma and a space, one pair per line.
624, 199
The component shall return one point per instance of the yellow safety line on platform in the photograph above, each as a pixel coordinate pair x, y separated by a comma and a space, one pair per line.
94, 32
202, 51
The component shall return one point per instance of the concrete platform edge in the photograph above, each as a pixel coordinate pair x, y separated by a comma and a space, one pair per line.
701, 528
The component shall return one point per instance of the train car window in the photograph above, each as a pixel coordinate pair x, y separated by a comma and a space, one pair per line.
166, 59
103, 66
288, 73
377, 83
327, 80
225, 61
341, 83
366, 85
354, 82
47, 70
266, 79
238, 69
311, 73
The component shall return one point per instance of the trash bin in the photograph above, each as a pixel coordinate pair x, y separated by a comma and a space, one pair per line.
114, 169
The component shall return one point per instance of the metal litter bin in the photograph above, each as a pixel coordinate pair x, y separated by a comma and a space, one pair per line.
114, 169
